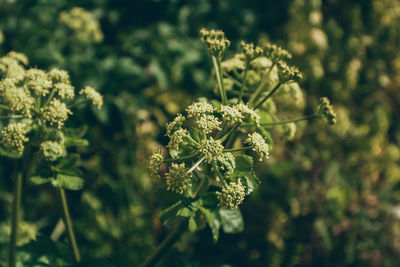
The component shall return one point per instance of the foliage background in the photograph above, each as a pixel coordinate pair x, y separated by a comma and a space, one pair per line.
330, 197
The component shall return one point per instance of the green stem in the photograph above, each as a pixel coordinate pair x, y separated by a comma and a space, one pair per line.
237, 149
260, 87
11, 117
78, 103
270, 93
53, 92
232, 130
181, 158
196, 165
243, 83
68, 224
309, 117
4, 107
15, 216
161, 249
222, 130
217, 67
203, 184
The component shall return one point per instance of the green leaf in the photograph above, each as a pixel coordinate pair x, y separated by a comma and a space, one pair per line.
212, 222
68, 182
71, 142
75, 132
68, 162
185, 212
244, 166
9, 154
251, 181
265, 117
192, 224
38, 180
231, 220
169, 215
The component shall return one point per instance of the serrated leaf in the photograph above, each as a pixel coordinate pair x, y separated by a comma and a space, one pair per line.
213, 222
231, 221
68, 182
38, 180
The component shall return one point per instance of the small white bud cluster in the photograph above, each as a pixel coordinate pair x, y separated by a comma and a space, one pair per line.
84, 25
154, 163
210, 149
51, 150
232, 196
215, 41
325, 110
93, 95
177, 178
13, 136
257, 142
56, 113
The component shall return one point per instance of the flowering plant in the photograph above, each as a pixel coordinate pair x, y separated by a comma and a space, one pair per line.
208, 161
35, 104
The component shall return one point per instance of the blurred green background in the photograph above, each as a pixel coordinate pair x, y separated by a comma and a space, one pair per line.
330, 197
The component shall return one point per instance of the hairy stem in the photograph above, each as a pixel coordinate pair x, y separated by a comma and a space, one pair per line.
17, 176
161, 249
68, 224
218, 73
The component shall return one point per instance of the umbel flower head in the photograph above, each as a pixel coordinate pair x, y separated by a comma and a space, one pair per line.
51, 150
250, 51
325, 110
210, 149
257, 143
231, 196
226, 164
177, 178
19, 100
56, 113
198, 109
175, 124
208, 123
13, 136
276, 53
154, 163
84, 25
215, 41
93, 95
288, 73
38, 81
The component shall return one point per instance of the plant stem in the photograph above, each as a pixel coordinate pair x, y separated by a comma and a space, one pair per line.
196, 165
237, 149
161, 249
78, 103
181, 158
232, 130
68, 224
270, 93
15, 216
309, 117
11, 117
243, 83
260, 87
217, 67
